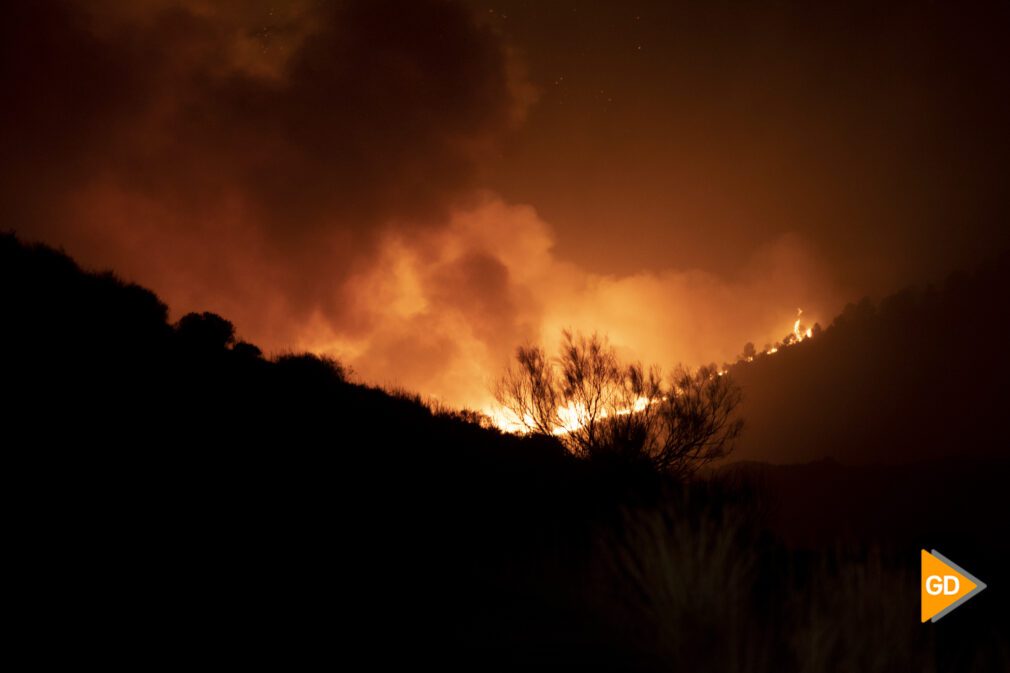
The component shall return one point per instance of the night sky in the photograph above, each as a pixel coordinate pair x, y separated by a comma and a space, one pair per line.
419, 187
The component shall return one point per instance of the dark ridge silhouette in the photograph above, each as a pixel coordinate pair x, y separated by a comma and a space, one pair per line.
176, 496
920, 374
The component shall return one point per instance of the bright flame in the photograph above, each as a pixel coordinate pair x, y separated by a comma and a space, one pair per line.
506, 421
570, 414
798, 331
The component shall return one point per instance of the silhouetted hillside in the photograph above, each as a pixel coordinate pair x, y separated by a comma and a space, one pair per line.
177, 497
922, 374
242, 498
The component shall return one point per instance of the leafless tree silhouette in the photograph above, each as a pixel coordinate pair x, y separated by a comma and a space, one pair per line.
596, 405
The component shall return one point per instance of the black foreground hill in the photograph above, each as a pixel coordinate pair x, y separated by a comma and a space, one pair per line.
180, 489
177, 497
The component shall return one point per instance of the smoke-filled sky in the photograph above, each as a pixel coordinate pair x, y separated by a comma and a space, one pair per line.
419, 187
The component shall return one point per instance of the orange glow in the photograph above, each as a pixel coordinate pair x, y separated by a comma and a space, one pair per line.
572, 415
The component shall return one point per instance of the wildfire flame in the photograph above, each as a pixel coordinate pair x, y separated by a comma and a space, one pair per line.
571, 413
799, 333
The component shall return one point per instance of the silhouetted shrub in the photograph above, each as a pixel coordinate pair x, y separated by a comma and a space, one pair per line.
205, 332
247, 350
600, 407
313, 370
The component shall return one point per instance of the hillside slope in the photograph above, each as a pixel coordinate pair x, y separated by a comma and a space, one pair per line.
175, 495
170, 471
923, 374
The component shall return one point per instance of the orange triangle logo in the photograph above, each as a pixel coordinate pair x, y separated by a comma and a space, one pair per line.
944, 585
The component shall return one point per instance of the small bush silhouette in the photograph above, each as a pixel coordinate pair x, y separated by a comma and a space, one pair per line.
313, 370
598, 406
205, 332
247, 350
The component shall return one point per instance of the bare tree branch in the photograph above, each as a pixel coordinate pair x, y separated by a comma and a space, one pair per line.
595, 405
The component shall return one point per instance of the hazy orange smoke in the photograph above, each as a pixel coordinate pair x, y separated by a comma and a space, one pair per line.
315, 174
445, 311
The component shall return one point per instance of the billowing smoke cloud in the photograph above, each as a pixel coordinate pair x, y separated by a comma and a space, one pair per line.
446, 310
314, 175
233, 163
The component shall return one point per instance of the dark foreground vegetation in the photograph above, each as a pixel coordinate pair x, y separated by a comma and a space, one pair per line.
177, 497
